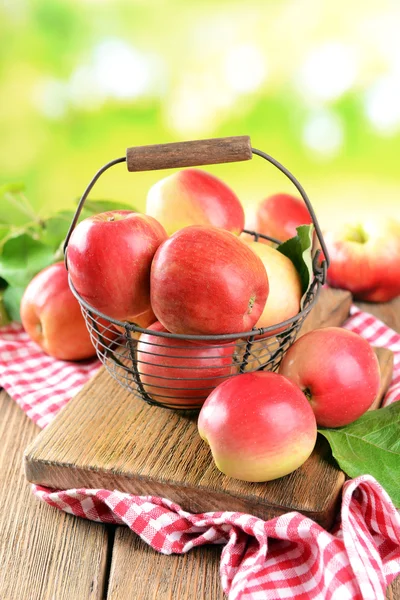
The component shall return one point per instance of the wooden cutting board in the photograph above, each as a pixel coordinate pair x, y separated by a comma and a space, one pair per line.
107, 437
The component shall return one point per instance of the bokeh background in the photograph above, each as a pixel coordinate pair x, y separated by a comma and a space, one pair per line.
316, 83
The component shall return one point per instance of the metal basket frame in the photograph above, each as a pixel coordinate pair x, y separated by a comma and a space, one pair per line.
120, 356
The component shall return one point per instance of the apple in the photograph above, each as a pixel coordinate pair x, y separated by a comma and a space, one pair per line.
206, 281
278, 216
259, 426
365, 259
337, 370
109, 258
52, 317
179, 373
285, 289
194, 197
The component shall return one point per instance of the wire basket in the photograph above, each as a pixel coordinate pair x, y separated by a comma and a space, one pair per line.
180, 371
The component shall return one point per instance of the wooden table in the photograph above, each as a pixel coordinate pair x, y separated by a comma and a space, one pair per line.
46, 554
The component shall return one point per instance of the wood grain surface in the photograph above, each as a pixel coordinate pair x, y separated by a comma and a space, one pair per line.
140, 573
189, 154
106, 437
331, 310
44, 553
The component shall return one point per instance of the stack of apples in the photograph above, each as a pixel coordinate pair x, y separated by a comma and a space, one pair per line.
181, 268
184, 268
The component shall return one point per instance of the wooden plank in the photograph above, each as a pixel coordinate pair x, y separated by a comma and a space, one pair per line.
386, 359
388, 312
44, 553
331, 310
138, 571
393, 592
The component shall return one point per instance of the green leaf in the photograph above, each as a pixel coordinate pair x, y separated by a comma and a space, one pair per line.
12, 297
299, 250
99, 206
370, 445
55, 228
22, 257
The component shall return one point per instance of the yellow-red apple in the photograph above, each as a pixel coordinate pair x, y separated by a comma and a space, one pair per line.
109, 258
365, 259
285, 292
279, 215
194, 197
179, 373
205, 281
52, 317
337, 370
259, 426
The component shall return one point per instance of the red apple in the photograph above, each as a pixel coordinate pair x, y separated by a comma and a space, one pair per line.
109, 257
279, 215
337, 370
365, 259
194, 197
178, 373
259, 426
206, 281
284, 287
52, 317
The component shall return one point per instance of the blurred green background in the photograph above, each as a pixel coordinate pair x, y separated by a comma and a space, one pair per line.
316, 83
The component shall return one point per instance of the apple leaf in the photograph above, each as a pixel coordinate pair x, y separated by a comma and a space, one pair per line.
299, 249
370, 445
22, 257
99, 206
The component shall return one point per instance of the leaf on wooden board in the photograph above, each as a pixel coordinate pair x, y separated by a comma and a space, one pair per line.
299, 249
370, 445
22, 257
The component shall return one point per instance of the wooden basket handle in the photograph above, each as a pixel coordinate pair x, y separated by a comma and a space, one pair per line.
189, 154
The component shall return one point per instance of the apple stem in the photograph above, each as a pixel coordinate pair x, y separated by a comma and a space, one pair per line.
111, 218
307, 394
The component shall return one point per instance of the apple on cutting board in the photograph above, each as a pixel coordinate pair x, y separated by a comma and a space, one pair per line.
259, 426
337, 370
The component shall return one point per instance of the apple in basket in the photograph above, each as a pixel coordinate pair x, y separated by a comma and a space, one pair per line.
176, 372
109, 258
194, 197
52, 317
337, 370
206, 281
365, 259
285, 291
279, 215
259, 426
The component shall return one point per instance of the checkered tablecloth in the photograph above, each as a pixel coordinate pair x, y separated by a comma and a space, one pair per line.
287, 557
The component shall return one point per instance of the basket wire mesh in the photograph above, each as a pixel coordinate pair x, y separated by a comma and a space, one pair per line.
178, 371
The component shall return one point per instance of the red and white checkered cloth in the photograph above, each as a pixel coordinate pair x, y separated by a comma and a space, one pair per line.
287, 557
